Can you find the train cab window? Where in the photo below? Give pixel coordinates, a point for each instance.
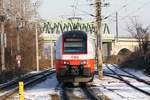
(75, 44)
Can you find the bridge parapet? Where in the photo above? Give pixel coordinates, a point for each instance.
(52, 29)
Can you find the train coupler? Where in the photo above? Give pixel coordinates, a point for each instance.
(81, 70)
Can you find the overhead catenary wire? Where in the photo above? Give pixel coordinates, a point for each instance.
(86, 12)
(139, 8)
(124, 6)
(75, 5)
(92, 15)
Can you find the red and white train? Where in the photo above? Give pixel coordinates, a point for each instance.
(75, 57)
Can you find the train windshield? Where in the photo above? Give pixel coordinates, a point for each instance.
(75, 44)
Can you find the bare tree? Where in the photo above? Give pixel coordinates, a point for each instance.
(24, 10)
(142, 34)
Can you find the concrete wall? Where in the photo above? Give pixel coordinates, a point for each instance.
(128, 43)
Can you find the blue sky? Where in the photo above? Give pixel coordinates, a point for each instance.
(62, 9)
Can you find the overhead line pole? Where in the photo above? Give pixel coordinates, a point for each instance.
(51, 48)
(2, 19)
(18, 35)
(37, 48)
(2, 46)
(117, 26)
(99, 38)
(36, 35)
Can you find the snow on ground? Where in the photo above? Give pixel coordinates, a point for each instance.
(77, 92)
(117, 90)
(112, 88)
(43, 90)
(16, 78)
(135, 72)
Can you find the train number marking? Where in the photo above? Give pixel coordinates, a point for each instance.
(75, 57)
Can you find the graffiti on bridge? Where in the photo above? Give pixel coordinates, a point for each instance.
(62, 26)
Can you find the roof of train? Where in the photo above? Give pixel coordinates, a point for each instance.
(74, 34)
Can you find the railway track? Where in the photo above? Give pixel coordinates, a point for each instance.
(25, 77)
(132, 75)
(12, 87)
(114, 74)
(86, 92)
(90, 93)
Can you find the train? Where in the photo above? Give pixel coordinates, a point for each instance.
(75, 57)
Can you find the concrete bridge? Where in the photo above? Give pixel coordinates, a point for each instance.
(124, 43)
(121, 43)
(111, 45)
(118, 45)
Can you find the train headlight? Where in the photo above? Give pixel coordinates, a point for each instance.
(65, 62)
(83, 62)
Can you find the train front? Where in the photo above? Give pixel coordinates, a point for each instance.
(74, 57)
